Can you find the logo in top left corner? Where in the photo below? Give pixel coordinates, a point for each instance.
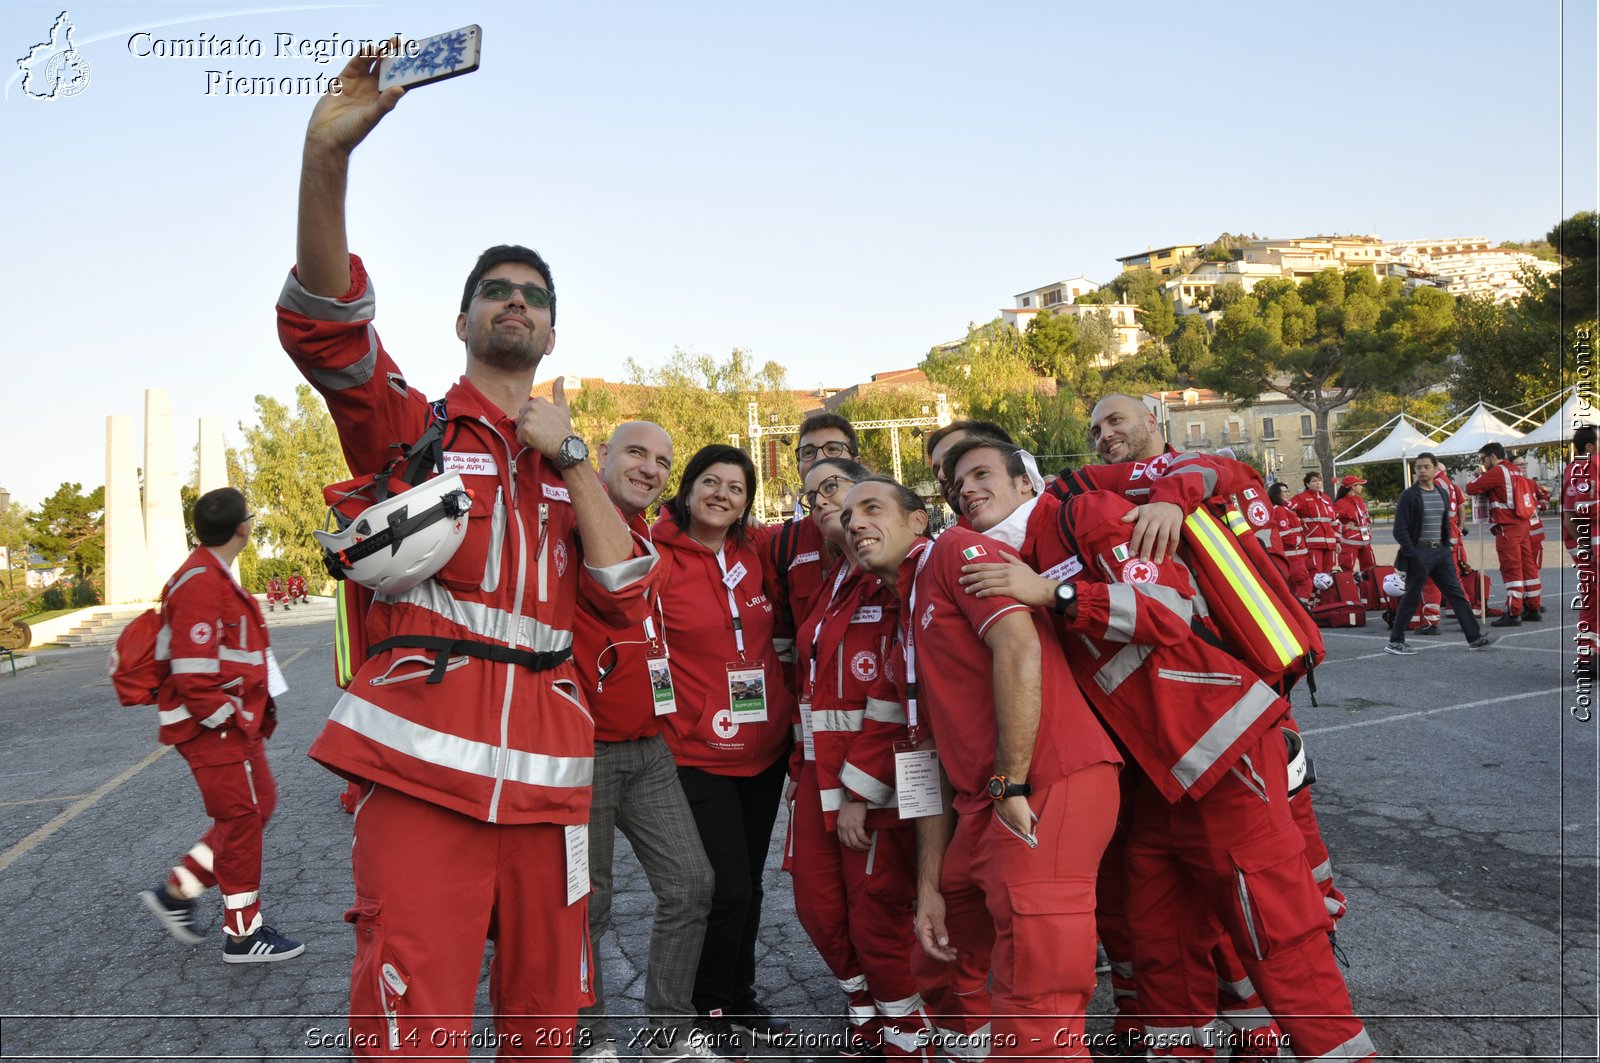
(54, 69)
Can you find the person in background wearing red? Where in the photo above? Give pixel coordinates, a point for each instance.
(1291, 529)
(1355, 526)
(626, 678)
(730, 732)
(217, 709)
(1315, 511)
(1499, 483)
(853, 858)
(1533, 583)
(1006, 877)
(296, 589)
(274, 593)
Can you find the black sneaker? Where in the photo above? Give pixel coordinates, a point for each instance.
(266, 945)
(178, 916)
(717, 1034)
(1431, 629)
(1532, 616)
(1509, 620)
(758, 1021)
(1481, 641)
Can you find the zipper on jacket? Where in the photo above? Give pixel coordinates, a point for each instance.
(544, 551)
(1221, 679)
(841, 672)
(497, 534)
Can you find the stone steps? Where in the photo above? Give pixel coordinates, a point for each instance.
(104, 626)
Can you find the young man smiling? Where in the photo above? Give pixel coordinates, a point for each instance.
(1006, 877)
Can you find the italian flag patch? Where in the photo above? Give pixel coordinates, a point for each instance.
(1121, 552)
(973, 551)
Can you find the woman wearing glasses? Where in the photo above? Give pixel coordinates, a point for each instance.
(853, 858)
(730, 730)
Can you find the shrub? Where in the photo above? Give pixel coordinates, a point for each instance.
(52, 599)
(84, 594)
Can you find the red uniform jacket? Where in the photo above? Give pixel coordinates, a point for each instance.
(215, 641)
(1499, 485)
(1291, 531)
(943, 626)
(1355, 523)
(841, 648)
(613, 666)
(699, 624)
(496, 741)
(1182, 706)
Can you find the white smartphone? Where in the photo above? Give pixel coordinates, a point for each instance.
(444, 55)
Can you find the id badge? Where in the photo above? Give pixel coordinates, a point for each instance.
(661, 686)
(808, 734)
(747, 693)
(577, 840)
(277, 686)
(916, 781)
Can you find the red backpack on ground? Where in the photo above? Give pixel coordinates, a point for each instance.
(1341, 605)
(1372, 588)
(136, 674)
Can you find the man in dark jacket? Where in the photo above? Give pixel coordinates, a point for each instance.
(1422, 528)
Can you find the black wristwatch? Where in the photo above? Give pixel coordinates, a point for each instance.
(1065, 595)
(1001, 788)
(572, 451)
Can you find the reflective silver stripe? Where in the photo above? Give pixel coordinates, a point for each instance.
(296, 299)
(895, 1009)
(858, 984)
(1241, 989)
(181, 580)
(1127, 661)
(166, 716)
(972, 1046)
(202, 855)
(240, 900)
(832, 799)
(885, 711)
(164, 643)
(188, 885)
(195, 666)
(876, 792)
(1222, 734)
(1168, 597)
(482, 620)
(908, 1043)
(1323, 872)
(353, 375)
(217, 718)
(1358, 1047)
(1208, 475)
(240, 656)
(872, 853)
(457, 753)
(1246, 1018)
(848, 720)
(1124, 612)
(625, 573)
(1335, 908)
(1248, 911)
(861, 1014)
(1224, 679)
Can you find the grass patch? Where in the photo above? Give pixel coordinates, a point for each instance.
(39, 618)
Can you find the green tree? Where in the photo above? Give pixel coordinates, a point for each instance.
(1573, 292)
(876, 445)
(289, 456)
(1191, 349)
(1509, 353)
(70, 526)
(14, 540)
(1327, 342)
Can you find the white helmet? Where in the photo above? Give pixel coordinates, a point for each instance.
(1394, 584)
(1301, 772)
(393, 545)
(1322, 581)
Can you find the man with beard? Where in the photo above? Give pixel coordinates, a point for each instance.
(465, 726)
(1213, 785)
(626, 677)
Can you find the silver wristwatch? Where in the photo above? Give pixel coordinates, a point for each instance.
(572, 451)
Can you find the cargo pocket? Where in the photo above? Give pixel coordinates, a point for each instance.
(1052, 939)
(378, 981)
(1267, 859)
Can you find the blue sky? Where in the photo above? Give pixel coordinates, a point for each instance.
(836, 186)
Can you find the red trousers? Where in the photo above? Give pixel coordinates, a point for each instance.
(1511, 547)
(1234, 856)
(859, 910)
(1356, 558)
(240, 795)
(1532, 582)
(432, 886)
(1022, 919)
(1321, 558)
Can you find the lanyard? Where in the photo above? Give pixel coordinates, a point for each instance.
(733, 605)
(910, 642)
(827, 613)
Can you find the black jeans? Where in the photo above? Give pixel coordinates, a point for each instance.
(1437, 564)
(735, 816)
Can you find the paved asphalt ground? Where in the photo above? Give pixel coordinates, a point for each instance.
(1457, 791)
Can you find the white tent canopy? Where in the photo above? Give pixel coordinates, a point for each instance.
(1477, 428)
(1558, 429)
(1404, 441)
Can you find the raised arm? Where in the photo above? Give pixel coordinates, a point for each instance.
(341, 119)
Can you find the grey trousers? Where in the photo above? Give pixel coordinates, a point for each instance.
(636, 790)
